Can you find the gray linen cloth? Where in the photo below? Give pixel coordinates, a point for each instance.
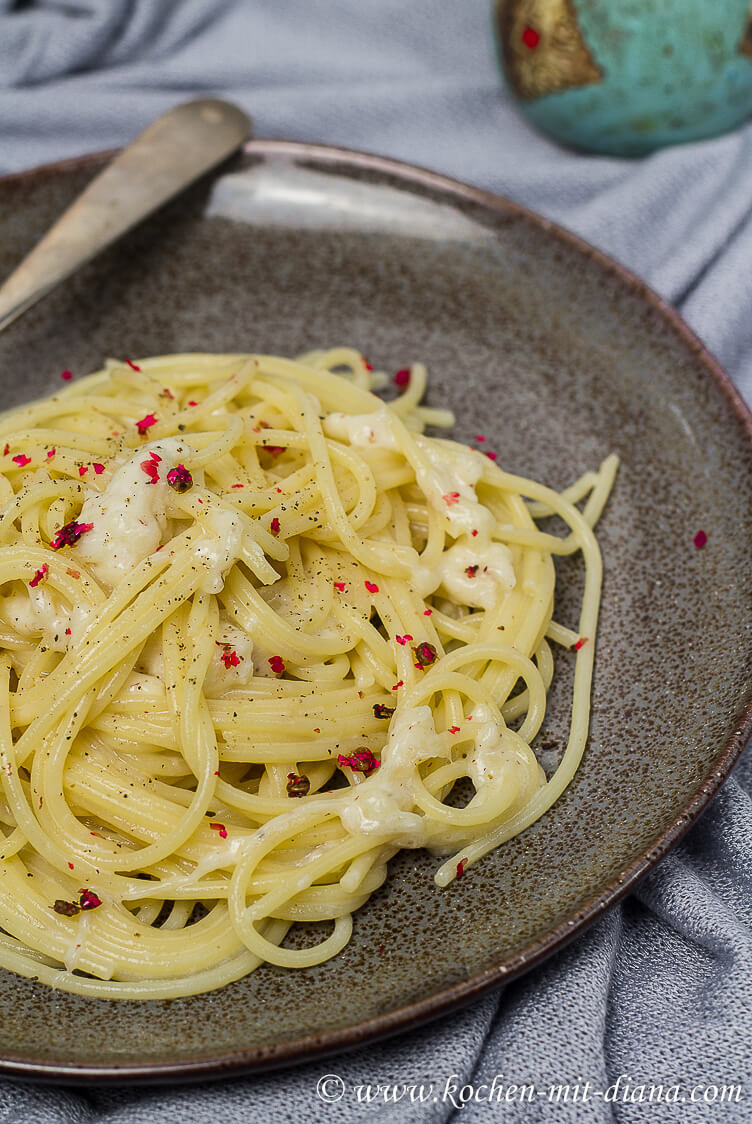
(659, 991)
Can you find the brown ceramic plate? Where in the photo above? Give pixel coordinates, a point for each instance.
(540, 342)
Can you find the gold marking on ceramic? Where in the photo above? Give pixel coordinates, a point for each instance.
(745, 47)
(544, 51)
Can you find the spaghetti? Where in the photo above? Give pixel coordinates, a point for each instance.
(254, 628)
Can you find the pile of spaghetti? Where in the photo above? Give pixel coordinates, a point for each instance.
(254, 627)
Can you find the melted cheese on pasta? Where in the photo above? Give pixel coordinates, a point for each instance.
(254, 627)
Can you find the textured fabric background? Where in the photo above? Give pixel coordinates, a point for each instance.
(660, 990)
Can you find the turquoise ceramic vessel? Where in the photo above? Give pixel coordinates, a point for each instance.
(628, 76)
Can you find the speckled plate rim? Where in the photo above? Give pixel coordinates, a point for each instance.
(315, 1046)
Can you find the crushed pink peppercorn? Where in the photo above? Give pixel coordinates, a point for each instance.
(580, 642)
(372, 587)
(88, 899)
(699, 540)
(21, 460)
(425, 654)
(297, 785)
(179, 478)
(402, 377)
(66, 909)
(39, 576)
(403, 639)
(69, 534)
(340, 586)
(66, 376)
(361, 761)
(277, 664)
(146, 423)
(98, 468)
(83, 469)
(132, 365)
(461, 867)
(274, 526)
(220, 827)
(152, 471)
(230, 659)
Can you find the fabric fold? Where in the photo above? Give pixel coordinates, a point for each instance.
(47, 40)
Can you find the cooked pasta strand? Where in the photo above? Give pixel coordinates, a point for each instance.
(254, 627)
